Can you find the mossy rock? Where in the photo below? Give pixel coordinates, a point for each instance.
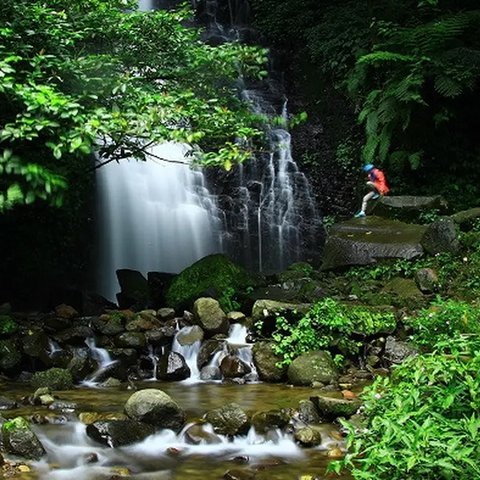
(214, 275)
(19, 439)
(7, 325)
(54, 378)
(10, 355)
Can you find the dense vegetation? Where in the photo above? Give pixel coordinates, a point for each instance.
(94, 76)
(410, 72)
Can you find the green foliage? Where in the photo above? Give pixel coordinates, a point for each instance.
(214, 274)
(386, 271)
(100, 76)
(329, 324)
(423, 421)
(443, 320)
(7, 325)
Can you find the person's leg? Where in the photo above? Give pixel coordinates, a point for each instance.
(366, 199)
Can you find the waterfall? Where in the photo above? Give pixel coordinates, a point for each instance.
(160, 216)
(154, 216)
(102, 357)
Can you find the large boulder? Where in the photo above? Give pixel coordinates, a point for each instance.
(130, 340)
(270, 420)
(215, 274)
(189, 335)
(308, 437)
(397, 351)
(156, 408)
(233, 367)
(331, 407)
(81, 365)
(19, 439)
(466, 218)
(75, 335)
(312, 367)
(228, 420)
(265, 312)
(209, 373)
(441, 237)
(408, 207)
(173, 367)
(366, 240)
(266, 361)
(208, 349)
(110, 323)
(133, 289)
(35, 344)
(117, 433)
(209, 315)
(54, 378)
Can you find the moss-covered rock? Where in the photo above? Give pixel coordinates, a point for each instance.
(54, 378)
(330, 407)
(214, 274)
(312, 367)
(228, 420)
(266, 361)
(19, 439)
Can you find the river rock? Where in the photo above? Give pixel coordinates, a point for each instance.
(196, 435)
(126, 357)
(160, 336)
(143, 322)
(19, 439)
(366, 240)
(133, 289)
(403, 288)
(173, 367)
(228, 420)
(427, 280)
(208, 350)
(10, 356)
(81, 365)
(312, 367)
(307, 412)
(238, 474)
(7, 403)
(190, 335)
(236, 317)
(266, 361)
(65, 311)
(308, 437)
(117, 433)
(130, 340)
(156, 408)
(331, 408)
(272, 419)
(54, 378)
(233, 367)
(397, 351)
(441, 237)
(35, 344)
(210, 372)
(110, 323)
(165, 314)
(210, 316)
(75, 335)
(91, 417)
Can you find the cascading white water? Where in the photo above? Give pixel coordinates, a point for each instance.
(154, 216)
(102, 357)
(189, 353)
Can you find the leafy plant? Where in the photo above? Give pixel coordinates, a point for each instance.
(443, 320)
(329, 324)
(423, 421)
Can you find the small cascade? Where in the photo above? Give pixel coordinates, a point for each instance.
(53, 347)
(102, 357)
(154, 216)
(154, 357)
(189, 353)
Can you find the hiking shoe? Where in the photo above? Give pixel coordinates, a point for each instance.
(375, 196)
(360, 215)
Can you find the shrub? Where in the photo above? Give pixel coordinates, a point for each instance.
(443, 320)
(423, 422)
(329, 324)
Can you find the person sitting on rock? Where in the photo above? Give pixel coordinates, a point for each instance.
(377, 184)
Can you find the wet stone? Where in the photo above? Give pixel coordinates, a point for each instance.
(7, 403)
(117, 433)
(308, 437)
(236, 474)
(228, 420)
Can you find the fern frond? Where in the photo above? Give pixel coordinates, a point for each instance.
(382, 56)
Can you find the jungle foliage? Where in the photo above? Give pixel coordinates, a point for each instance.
(411, 70)
(100, 76)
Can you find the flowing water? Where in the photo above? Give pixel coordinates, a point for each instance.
(166, 455)
(154, 216)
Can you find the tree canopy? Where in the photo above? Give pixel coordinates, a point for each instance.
(100, 76)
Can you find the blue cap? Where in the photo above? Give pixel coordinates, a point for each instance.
(368, 167)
